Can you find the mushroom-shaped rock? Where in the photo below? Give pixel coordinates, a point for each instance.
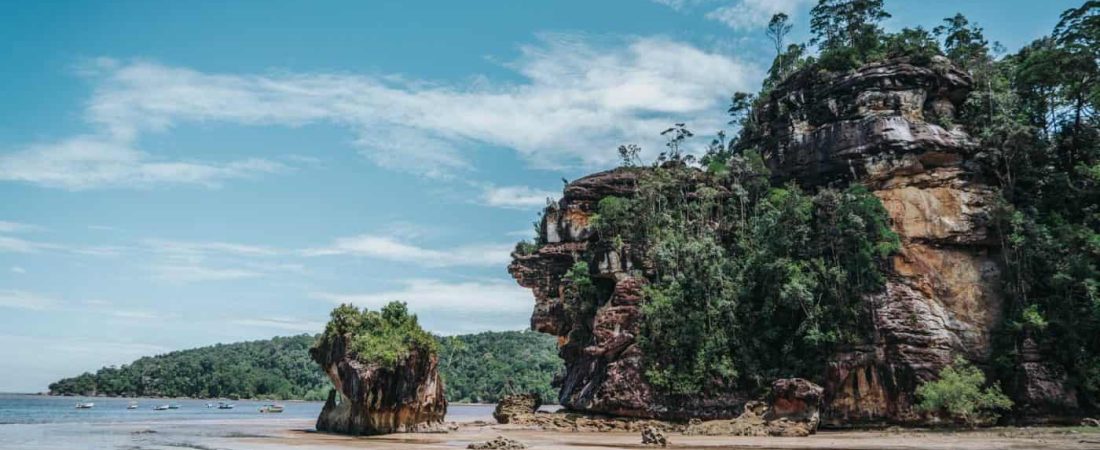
(385, 371)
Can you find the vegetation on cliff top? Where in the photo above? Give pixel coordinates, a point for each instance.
(386, 337)
(476, 368)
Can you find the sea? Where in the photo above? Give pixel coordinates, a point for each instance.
(45, 422)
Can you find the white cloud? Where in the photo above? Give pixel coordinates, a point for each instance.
(578, 99)
(94, 161)
(191, 250)
(520, 197)
(190, 273)
(19, 270)
(452, 307)
(31, 362)
(281, 323)
(15, 299)
(16, 227)
(749, 14)
(391, 249)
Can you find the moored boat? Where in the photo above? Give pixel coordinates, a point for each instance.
(271, 409)
(85, 405)
(162, 408)
(224, 405)
(174, 406)
(132, 405)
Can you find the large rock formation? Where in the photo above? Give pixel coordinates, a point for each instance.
(887, 126)
(372, 399)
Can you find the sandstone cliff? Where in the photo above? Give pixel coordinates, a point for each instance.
(887, 126)
(371, 399)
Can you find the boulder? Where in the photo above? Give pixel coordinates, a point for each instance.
(515, 405)
(653, 436)
(498, 443)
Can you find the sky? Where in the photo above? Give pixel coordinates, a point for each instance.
(178, 174)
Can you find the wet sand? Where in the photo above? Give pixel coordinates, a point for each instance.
(297, 434)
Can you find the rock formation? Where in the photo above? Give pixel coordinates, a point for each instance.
(516, 405)
(371, 399)
(791, 410)
(888, 126)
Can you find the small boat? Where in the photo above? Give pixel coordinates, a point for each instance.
(174, 406)
(162, 408)
(210, 405)
(85, 405)
(132, 405)
(224, 405)
(272, 409)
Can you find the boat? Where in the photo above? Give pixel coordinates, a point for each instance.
(174, 406)
(210, 405)
(272, 409)
(224, 405)
(132, 405)
(162, 408)
(85, 405)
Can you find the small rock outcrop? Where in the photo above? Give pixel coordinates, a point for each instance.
(516, 405)
(371, 399)
(498, 443)
(652, 436)
(792, 410)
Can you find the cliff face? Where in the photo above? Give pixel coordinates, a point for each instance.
(887, 126)
(370, 399)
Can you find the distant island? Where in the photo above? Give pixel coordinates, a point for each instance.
(477, 368)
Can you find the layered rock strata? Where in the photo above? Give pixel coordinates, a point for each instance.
(371, 399)
(888, 126)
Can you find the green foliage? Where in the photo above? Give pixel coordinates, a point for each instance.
(476, 368)
(278, 368)
(385, 337)
(847, 32)
(750, 282)
(917, 44)
(959, 395)
(525, 247)
(485, 366)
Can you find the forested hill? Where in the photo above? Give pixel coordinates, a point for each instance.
(476, 367)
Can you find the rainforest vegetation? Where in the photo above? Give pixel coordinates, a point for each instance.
(475, 367)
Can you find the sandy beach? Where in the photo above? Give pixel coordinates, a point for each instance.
(297, 434)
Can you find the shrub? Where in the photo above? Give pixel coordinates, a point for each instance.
(385, 337)
(958, 394)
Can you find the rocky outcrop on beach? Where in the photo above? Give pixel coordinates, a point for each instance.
(516, 405)
(498, 443)
(888, 126)
(792, 409)
(372, 399)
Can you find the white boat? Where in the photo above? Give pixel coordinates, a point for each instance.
(85, 405)
(272, 409)
(132, 405)
(174, 406)
(224, 405)
(162, 408)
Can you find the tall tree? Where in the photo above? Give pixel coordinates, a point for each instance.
(777, 30)
(848, 24)
(963, 42)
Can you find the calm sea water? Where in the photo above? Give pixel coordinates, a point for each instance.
(41, 422)
(38, 409)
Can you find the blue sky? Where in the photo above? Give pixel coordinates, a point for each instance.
(176, 174)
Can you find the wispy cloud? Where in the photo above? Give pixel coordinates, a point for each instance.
(17, 227)
(451, 307)
(281, 323)
(18, 270)
(16, 299)
(578, 99)
(196, 249)
(750, 14)
(518, 197)
(392, 249)
(190, 273)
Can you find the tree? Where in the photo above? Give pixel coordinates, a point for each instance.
(917, 44)
(963, 42)
(959, 395)
(777, 30)
(847, 31)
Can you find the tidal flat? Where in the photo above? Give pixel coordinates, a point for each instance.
(281, 434)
